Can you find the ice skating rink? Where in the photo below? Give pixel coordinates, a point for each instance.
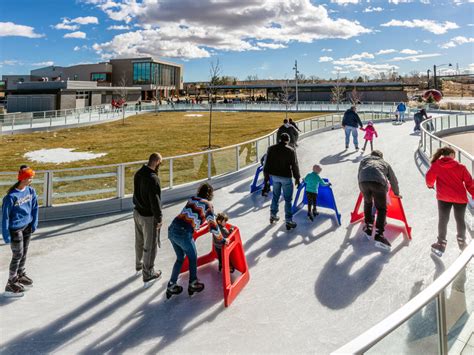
(311, 290)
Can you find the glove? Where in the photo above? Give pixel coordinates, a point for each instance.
(329, 184)
(297, 183)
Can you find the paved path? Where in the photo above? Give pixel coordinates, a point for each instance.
(311, 290)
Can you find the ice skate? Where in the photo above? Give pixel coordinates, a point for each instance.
(151, 280)
(274, 219)
(368, 228)
(195, 287)
(310, 217)
(381, 242)
(25, 280)
(315, 213)
(438, 249)
(13, 289)
(173, 290)
(290, 225)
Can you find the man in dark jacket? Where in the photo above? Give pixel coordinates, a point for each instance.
(287, 128)
(374, 177)
(282, 164)
(350, 122)
(148, 217)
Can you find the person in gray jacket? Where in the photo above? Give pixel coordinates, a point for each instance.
(290, 130)
(375, 177)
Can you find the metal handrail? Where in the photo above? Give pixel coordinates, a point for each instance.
(372, 336)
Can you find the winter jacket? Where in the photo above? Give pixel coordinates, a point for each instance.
(375, 169)
(401, 107)
(452, 180)
(281, 161)
(313, 181)
(370, 132)
(19, 209)
(147, 193)
(351, 119)
(197, 212)
(290, 130)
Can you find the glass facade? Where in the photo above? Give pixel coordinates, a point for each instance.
(100, 77)
(155, 73)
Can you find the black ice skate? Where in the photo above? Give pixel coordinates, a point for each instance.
(151, 280)
(315, 213)
(195, 287)
(173, 290)
(310, 217)
(13, 289)
(25, 280)
(290, 225)
(381, 242)
(438, 249)
(368, 228)
(274, 219)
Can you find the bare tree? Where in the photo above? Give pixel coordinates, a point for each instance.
(214, 72)
(122, 92)
(337, 92)
(356, 96)
(285, 96)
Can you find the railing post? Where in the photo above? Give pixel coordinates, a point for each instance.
(120, 181)
(237, 158)
(256, 151)
(49, 189)
(171, 173)
(209, 161)
(311, 125)
(31, 121)
(442, 324)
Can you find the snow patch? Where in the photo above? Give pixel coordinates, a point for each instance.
(60, 155)
(193, 115)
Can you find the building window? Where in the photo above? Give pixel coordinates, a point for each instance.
(141, 73)
(82, 95)
(75, 77)
(100, 77)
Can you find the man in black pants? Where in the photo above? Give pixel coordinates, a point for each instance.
(374, 177)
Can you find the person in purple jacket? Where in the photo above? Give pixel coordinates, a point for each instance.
(19, 221)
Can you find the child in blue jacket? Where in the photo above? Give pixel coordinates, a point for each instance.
(313, 180)
(19, 221)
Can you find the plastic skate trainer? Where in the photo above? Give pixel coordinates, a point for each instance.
(256, 185)
(233, 253)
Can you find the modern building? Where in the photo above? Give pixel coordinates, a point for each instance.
(92, 84)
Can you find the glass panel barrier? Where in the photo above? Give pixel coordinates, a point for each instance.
(247, 154)
(418, 335)
(224, 161)
(130, 170)
(189, 169)
(262, 147)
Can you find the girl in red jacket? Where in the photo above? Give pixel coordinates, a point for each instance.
(370, 132)
(452, 181)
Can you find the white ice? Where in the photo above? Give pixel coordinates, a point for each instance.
(60, 155)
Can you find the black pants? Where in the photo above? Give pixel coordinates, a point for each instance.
(312, 199)
(218, 250)
(374, 193)
(20, 239)
(444, 209)
(371, 145)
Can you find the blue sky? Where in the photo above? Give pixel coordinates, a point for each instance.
(251, 37)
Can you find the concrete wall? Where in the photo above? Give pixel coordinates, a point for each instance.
(68, 101)
(122, 67)
(28, 103)
(96, 99)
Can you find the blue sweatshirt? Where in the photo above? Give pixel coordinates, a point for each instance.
(19, 209)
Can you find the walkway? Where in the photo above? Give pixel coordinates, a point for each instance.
(311, 290)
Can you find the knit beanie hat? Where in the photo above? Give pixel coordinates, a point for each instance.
(370, 123)
(26, 173)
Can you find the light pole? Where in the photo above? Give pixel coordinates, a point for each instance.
(428, 79)
(435, 78)
(295, 68)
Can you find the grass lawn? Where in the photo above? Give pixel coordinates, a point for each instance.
(170, 133)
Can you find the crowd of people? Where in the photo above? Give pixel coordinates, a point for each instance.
(280, 165)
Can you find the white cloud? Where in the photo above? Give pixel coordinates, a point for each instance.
(87, 20)
(457, 41)
(77, 48)
(191, 29)
(65, 26)
(414, 58)
(363, 55)
(43, 64)
(77, 34)
(358, 41)
(325, 59)
(373, 9)
(385, 51)
(326, 50)
(362, 68)
(270, 45)
(409, 51)
(75, 23)
(460, 2)
(345, 2)
(118, 27)
(9, 62)
(427, 25)
(8, 29)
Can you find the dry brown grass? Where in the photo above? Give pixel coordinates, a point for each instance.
(169, 133)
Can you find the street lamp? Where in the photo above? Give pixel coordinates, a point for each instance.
(435, 79)
(428, 78)
(295, 68)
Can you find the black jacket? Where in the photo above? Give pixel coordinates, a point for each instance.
(352, 119)
(147, 193)
(291, 131)
(281, 161)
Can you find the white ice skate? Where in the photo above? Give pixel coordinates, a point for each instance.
(151, 280)
(438, 249)
(13, 294)
(382, 243)
(383, 246)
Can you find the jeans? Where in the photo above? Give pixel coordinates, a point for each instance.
(286, 184)
(352, 130)
(378, 193)
(146, 242)
(20, 239)
(417, 123)
(444, 209)
(401, 116)
(180, 235)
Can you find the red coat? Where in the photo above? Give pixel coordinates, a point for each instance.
(452, 180)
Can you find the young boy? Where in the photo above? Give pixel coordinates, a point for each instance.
(222, 219)
(313, 180)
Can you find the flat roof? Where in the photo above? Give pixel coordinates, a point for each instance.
(306, 85)
(68, 85)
